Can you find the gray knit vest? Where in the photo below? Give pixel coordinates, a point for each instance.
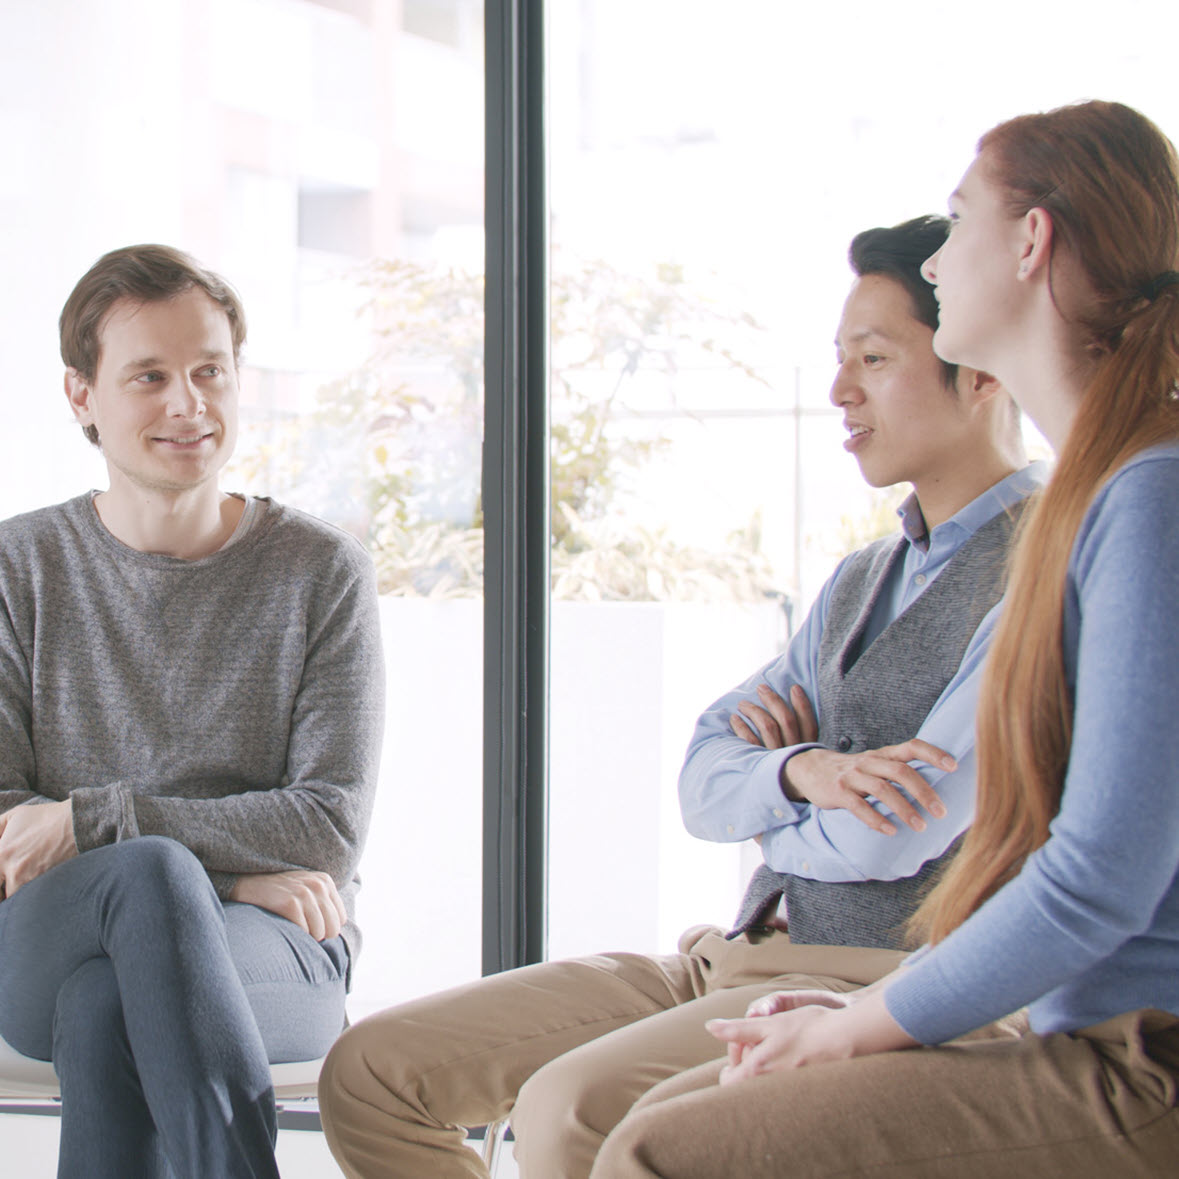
(881, 696)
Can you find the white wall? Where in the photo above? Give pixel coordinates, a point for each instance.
(628, 683)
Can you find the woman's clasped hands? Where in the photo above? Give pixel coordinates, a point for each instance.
(792, 1029)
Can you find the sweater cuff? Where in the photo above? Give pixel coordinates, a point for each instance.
(102, 815)
(222, 882)
(916, 999)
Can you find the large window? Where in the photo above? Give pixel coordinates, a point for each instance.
(328, 159)
(710, 164)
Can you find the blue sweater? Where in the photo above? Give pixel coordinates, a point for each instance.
(1090, 927)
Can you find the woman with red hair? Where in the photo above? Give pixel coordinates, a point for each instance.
(1060, 277)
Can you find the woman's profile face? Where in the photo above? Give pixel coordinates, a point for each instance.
(975, 274)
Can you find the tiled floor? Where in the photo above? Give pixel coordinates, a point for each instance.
(28, 1146)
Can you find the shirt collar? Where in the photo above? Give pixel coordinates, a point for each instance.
(913, 522)
(998, 498)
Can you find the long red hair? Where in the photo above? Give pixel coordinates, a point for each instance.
(1110, 182)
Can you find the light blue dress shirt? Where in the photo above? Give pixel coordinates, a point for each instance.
(730, 790)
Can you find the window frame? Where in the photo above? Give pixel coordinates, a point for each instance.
(515, 483)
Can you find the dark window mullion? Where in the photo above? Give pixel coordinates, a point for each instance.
(515, 490)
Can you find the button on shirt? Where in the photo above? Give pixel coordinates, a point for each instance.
(730, 790)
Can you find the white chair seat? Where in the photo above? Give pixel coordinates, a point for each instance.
(23, 1077)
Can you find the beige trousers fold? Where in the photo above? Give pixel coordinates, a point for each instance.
(564, 1048)
(1097, 1104)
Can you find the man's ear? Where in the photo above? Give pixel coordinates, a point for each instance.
(77, 391)
(1035, 251)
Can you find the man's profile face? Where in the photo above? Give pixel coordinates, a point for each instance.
(905, 424)
(164, 396)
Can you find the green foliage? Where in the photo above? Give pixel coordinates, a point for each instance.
(608, 561)
(392, 450)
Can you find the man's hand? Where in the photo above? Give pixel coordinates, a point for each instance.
(843, 781)
(308, 899)
(778, 723)
(33, 839)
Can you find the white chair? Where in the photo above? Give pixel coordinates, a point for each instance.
(23, 1078)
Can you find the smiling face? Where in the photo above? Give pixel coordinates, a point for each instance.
(906, 425)
(164, 394)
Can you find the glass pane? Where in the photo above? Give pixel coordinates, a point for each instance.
(710, 165)
(326, 158)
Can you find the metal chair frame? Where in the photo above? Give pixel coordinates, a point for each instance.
(494, 1137)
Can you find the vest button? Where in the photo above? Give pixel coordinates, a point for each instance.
(844, 744)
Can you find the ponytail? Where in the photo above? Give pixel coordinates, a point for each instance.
(1025, 712)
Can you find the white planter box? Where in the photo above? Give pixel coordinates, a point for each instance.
(628, 681)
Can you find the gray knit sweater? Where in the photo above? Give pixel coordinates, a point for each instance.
(234, 703)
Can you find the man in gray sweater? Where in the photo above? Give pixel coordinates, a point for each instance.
(190, 717)
(889, 656)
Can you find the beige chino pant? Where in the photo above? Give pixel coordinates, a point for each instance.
(1097, 1104)
(565, 1048)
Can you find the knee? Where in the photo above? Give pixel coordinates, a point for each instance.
(385, 1104)
(157, 885)
(343, 1072)
(565, 1104)
(399, 1063)
(353, 1078)
(630, 1148)
(159, 858)
(157, 867)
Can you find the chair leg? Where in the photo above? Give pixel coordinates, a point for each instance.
(493, 1137)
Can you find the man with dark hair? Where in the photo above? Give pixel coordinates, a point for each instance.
(890, 657)
(802, 789)
(190, 720)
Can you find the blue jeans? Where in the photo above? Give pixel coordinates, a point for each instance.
(160, 1009)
